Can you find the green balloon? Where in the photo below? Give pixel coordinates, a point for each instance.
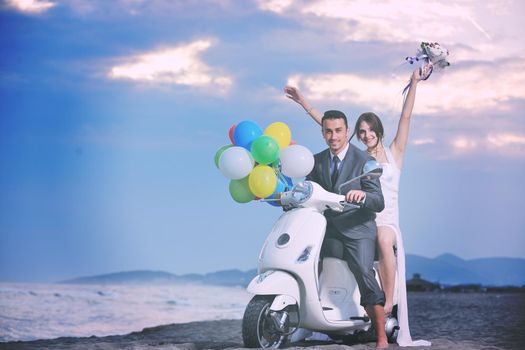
(240, 191)
(265, 149)
(219, 153)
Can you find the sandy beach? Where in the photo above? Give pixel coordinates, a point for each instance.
(223, 334)
(464, 321)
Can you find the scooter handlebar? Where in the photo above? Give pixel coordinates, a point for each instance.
(311, 194)
(352, 205)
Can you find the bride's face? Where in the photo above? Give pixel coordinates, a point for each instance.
(367, 135)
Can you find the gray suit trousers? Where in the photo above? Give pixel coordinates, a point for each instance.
(359, 253)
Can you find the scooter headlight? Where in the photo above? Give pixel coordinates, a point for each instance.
(302, 191)
(283, 240)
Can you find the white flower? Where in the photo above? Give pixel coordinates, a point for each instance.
(435, 53)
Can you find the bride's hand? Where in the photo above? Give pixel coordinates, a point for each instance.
(421, 73)
(294, 94)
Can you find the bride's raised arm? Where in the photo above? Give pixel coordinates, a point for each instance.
(399, 143)
(294, 94)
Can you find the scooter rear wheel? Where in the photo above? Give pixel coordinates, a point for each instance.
(392, 326)
(258, 327)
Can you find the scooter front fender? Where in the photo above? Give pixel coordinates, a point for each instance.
(274, 282)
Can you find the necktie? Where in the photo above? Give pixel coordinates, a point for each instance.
(335, 171)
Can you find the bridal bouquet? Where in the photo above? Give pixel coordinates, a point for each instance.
(435, 53)
(432, 54)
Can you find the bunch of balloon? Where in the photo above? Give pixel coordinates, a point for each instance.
(261, 163)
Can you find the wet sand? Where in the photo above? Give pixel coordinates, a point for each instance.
(470, 321)
(223, 334)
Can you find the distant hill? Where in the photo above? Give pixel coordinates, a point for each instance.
(449, 269)
(446, 269)
(127, 277)
(224, 278)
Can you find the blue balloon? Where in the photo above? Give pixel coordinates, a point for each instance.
(281, 187)
(289, 182)
(245, 132)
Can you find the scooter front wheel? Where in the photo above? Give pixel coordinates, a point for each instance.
(263, 328)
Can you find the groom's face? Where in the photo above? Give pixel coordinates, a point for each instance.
(335, 134)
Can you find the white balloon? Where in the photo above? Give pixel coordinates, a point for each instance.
(236, 163)
(296, 161)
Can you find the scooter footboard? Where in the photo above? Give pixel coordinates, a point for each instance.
(339, 292)
(274, 282)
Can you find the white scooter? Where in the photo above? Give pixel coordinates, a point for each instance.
(290, 293)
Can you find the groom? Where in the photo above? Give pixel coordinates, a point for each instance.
(356, 228)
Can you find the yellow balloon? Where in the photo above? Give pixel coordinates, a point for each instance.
(262, 181)
(280, 132)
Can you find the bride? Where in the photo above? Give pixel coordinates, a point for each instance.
(369, 130)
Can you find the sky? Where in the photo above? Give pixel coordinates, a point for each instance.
(111, 113)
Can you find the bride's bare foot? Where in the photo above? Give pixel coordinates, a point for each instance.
(381, 341)
(378, 321)
(382, 345)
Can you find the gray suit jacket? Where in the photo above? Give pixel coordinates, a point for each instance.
(353, 223)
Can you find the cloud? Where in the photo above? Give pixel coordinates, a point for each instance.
(467, 110)
(463, 143)
(473, 28)
(375, 20)
(471, 108)
(197, 9)
(423, 141)
(471, 88)
(474, 88)
(506, 139)
(179, 65)
(349, 88)
(393, 21)
(277, 6)
(506, 144)
(30, 6)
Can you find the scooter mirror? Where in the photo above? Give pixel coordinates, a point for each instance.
(372, 168)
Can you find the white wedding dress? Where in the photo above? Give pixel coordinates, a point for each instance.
(390, 217)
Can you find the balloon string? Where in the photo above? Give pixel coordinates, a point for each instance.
(280, 175)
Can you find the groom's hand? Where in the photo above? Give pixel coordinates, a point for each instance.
(355, 196)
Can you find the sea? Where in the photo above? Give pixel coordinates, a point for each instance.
(45, 311)
(491, 319)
